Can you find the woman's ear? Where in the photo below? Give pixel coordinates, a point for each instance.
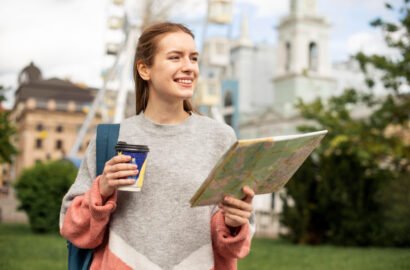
(143, 70)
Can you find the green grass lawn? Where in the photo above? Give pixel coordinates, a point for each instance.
(279, 255)
(20, 249)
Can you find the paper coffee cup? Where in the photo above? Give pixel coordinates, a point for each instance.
(138, 155)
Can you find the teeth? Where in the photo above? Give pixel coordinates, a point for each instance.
(184, 81)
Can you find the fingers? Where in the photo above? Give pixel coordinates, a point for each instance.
(117, 170)
(118, 159)
(115, 174)
(120, 167)
(120, 182)
(234, 220)
(236, 212)
(249, 194)
(121, 174)
(236, 203)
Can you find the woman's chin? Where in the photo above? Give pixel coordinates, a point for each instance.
(186, 94)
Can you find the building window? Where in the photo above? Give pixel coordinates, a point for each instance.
(61, 106)
(39, 127)
(228, 99)
(59, 144)
(41, 104)
(272, 204)
(59, 128)
(220, 48)
(228, 104)
(313, 56)
(228, 119)
(39, 143)
(288, 56)
(293, 6)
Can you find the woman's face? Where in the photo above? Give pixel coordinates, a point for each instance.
(174, 71)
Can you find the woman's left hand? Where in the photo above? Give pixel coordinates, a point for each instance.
(237, 212)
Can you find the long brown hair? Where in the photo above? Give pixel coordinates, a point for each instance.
(146, 49)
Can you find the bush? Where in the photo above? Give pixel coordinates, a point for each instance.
(354, 190)
(335, 201)
(40, 190)
(357, 190)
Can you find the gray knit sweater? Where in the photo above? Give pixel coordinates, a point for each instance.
(156, 228)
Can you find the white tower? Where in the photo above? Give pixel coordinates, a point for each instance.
(241, 66)
(303, 67)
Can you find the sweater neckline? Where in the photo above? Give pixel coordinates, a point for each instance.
(164, 129)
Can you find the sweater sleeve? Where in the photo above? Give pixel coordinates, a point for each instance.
(87, 217)
(228, 248)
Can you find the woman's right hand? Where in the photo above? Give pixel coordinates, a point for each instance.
(115, 174)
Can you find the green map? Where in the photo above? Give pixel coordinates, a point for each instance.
(264, 164)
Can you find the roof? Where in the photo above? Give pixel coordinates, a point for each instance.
(29, 74)
(57, 89)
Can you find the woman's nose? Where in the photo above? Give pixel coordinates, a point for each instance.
(189, 65)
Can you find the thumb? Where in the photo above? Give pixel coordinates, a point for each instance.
(249, 194)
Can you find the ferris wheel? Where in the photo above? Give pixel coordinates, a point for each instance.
(122, 36)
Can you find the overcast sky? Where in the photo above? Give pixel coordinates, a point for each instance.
(66, 38)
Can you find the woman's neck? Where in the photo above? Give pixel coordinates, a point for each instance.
(166, 114)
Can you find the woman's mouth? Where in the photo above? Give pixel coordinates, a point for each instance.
(184, 82)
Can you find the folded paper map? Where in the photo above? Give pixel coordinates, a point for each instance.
(264, 164)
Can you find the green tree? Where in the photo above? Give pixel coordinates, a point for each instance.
(40, 190)
(355, 190)
(7, 149)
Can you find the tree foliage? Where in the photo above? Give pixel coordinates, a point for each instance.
(40, 190)
(355, 190)
(7, 149)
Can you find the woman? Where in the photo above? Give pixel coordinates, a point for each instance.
(156, 228)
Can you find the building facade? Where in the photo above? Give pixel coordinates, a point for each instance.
(297, 67)
(47, 115)
(253, 66)
(304, 68)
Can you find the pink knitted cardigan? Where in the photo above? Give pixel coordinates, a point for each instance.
(86, 220)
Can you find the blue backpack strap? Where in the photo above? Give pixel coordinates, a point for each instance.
(78, 258)
(107, 136)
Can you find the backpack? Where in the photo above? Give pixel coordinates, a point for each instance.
(107, 136)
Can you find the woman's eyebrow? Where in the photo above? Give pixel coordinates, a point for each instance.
(180, 52)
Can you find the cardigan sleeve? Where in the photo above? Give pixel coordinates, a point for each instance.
(228, 248)
(87, 217)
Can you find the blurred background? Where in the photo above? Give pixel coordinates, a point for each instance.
(267, 68)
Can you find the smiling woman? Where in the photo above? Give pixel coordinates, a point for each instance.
(156, 228)
(171, 76)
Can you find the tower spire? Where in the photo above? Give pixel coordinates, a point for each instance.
(303, 7)
(244, 39)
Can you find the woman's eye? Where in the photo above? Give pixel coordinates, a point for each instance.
(194, 59)
(174, 57)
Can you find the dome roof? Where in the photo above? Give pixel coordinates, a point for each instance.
(29, 74)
